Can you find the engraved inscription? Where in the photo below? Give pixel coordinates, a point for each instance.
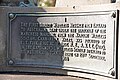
(88, 41)
(35, 40)
(81, 40)
(72, 42)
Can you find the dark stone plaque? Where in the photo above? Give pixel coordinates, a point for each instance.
(73, 41)
(31, 43)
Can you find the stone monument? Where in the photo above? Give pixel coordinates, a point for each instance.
(69, 39)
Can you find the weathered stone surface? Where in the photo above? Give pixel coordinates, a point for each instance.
(37, 77)
(4, 25)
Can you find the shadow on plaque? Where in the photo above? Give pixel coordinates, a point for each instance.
(33, 45)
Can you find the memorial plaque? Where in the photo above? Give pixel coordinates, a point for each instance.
(73, 41)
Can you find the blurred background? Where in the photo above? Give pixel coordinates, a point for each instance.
(39, 3)
(46, 3)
